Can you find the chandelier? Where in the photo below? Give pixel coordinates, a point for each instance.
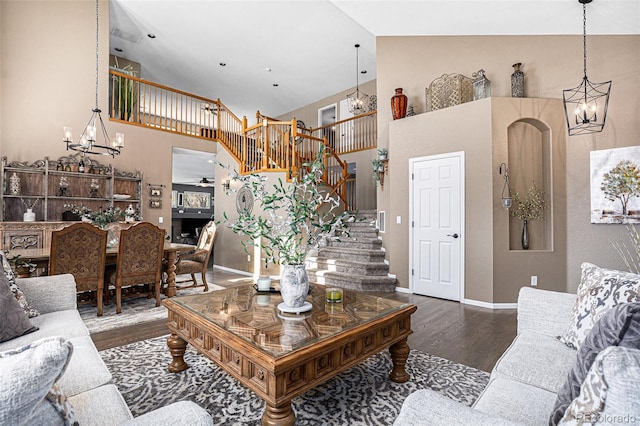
(358, 102)
(586, 106)
(88, 143)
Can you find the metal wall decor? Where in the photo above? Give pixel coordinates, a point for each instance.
(449, 90)
(155, 192)
(481, 85)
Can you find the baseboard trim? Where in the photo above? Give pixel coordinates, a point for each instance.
(490, 305)
(403, 290)
(235, 271)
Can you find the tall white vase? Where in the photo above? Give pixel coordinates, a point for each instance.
(294, 285)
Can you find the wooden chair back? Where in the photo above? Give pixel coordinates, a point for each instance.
(80, 250)
(139, 258)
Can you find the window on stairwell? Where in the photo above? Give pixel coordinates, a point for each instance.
(381, 221)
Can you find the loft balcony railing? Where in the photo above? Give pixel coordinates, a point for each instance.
(268, 146)
(351, 135)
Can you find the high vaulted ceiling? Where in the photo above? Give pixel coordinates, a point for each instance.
(308, 45)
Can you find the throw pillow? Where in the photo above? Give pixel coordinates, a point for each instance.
(27, 378)
(610, 392)
(599, 290)
(13, 321)
(620, 326)
(19, 295)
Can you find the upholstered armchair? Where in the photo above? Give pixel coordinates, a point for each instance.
(195, 262)
(139, 261)
(80, 249)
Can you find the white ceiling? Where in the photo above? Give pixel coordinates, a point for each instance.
(308, 45)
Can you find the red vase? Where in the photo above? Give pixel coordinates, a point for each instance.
(399, 104)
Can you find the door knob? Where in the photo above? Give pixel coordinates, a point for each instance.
(453, 235)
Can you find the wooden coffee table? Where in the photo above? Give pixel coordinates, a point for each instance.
(280, 356)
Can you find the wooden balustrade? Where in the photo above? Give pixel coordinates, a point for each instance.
(268, 146)
(353, 134)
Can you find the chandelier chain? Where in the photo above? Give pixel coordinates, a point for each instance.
(97, 48)
(584, 38)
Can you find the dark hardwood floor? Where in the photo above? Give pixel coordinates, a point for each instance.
(460, 333)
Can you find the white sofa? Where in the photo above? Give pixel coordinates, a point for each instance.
(86, 380)
(525, 381)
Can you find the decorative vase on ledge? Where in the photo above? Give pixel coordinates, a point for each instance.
(517, 82)
(399, 104)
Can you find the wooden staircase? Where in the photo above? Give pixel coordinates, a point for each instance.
(356, 262)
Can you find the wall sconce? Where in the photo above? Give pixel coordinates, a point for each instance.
(226, 184)
(380, 167)
(506, 190)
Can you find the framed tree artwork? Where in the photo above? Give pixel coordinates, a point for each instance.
(615, 185)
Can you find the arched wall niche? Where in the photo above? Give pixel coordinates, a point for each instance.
(529, 154)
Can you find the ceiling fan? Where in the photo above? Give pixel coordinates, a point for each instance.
(205, 182)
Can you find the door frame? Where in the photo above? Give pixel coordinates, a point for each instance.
(333, 106)
(412, 162)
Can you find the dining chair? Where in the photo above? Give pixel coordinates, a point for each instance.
(139, 261)
(196, 261)
(80, 249)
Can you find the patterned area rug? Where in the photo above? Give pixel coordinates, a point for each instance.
(135, 310)
(362, 395)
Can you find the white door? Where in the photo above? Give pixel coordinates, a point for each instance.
(437, 218)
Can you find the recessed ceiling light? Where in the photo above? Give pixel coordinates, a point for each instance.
(268, 69)
(363, 72)
(275, 84)
(117, 49)
(223, 64)
(151, 35)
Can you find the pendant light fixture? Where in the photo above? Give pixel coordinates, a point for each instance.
(586, 106)
(88, 143)
(357, 101)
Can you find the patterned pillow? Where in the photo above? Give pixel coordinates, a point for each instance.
(27, 378)
(599, 290)
(620, 326)
(19, 295)
(13, 321)
(610, 393)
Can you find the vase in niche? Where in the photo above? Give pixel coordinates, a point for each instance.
(29, 216)
(14, 184)
(525, 235)
(399, 104)
(517, 82)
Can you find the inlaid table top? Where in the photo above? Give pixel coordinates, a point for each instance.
(278, 355)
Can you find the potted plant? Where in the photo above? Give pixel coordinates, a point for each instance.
(126, 92)
(530, 208)
(294, 218)
(382, 154)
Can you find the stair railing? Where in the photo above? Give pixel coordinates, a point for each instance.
(353, 134)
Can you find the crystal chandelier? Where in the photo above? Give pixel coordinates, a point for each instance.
(586, 106)
(88, 143)
(358, 102)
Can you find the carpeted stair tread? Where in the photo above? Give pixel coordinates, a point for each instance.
(351, 242)
(348, 266)
(351, 281)
(358, 254)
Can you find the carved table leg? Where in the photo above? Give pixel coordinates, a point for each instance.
(399, 354)
(177, 347)
(170, 291)
(279, 416)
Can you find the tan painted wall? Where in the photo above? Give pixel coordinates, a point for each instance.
(48, 81)
(437, 133)
(551, 64)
